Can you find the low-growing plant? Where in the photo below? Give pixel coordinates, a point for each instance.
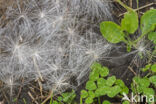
(100, 84)
(115, 33)
(67, 98)
(145, 86)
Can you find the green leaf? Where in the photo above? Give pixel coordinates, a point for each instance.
(102, 91)
(129, 47)
(89, 100)
(68, 96)
(124, 90)
(136, 79)
(126, 102)
(133, 88)
(147, 67)
(84, 94)
(112, 32)
(104, 71)
(153, 68)
(113, 91)
(94, 75)
(95, 66)
(152, 37)
(110, 81)
(136, 83)
(120, 83)
(90, 85)
(130, 22)
(141, 84)
(148, 91)
(59, 98)
(91, 94)
(153, 79)
(55, 102)
(144, 82)
(106, 102)
(101, 82)
(148, 21)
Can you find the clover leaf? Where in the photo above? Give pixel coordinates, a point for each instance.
(89, 100)
(120, 83)
(102, 91)
(94, 75)
(68, 96)
(84, 94)
(90, 85)
(91, 94)
(126, 102)
(106, 102)
(110, 81)
(114, 91)
(104, 71)
(101, 82)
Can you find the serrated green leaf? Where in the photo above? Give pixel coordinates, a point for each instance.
(84, 94)
(148, 21)
(106, 102)
(110, 80)
(153, 68)
(90, 85)
(89, 100)
(104, 71)
(112, 32)
(152, 37)
(130, 22)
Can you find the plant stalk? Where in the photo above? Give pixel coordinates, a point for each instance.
(37, 68)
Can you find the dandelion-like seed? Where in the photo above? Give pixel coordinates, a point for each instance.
(49, 40)
(141, 49)
(42, 15)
